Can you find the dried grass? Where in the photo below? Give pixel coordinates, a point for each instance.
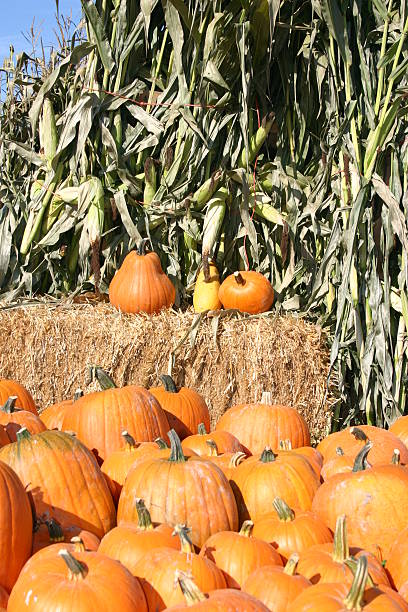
(48, 348)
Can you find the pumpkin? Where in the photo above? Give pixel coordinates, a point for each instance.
(46, 532)
(312, 455)
(264, 424)
(352, 440)
(275, 586)
(4, 439)
(64, 480)
(239, 554)
(226, 461)
(261, 478)
(4, 597)
(290, 530)
(99, 418)
(205, 296)
(157, 567)
(247, 291)
(340, 464)
(340, 596)
(375, 504)
(330, 562)
(185, 408)
(53, 416)
(216, 601)
(181, 489)
(87, 581)
(16, 526)
(13, 419)
(11, 388)
(403, 591)
(397, 560)
(129, 542)
(140, 285)
(400, 429)
(226, 442)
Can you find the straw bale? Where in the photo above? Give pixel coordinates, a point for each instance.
(48, 348)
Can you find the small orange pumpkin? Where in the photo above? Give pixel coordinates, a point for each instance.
(13, 419)
(247, 291)
(225, 442)
(11, 388)
(53, 416)
(140, 285)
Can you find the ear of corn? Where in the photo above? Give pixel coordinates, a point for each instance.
(207, 189)
(150, 181)
(48, 131)
(257, 140)
(94, 223)
(213, 220)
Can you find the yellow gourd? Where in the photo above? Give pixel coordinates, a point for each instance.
(206, 292)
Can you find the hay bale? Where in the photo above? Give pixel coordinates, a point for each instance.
(48, 348)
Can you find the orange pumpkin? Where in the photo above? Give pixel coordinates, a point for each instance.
(312, 454)
(4, 439)
(247, 291)
(11, 388)
(87, 581)
(99, 418)
(16, 526)
(185, 408)
(239, 554)
(53, 416)
(264, 424)
(226, 442)
(276, 586)
(64, 480)
(261, 478)
(340, 464)
(290, 530)
(183, 490)
(157, 568)
(375, 504)
(140, 285)
(397, 560)
(400, 429)
(4, 597)
(227, 461)
(13, 419)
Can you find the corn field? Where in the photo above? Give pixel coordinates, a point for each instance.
(269, 134)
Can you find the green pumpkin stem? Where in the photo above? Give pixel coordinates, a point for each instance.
(282, 510)
(285, 445)
(201, 430)
(183, 532)
(236, 459)
(23, 434)
(246, 529)
(212, 448)
(339, 451)
(168, 383)
(268, 456)
(291, 565)
(103, 378)
(358, 434)
(354, 599)
(54, 531)
(78, 543)
(239, 278)
(340, 544)
(396, 457)
(78, 393)
(10, 406)
(144, 520)
(176, 454)
(161, 443)
(129, 440)
(360, 462)
(190, 590)
(142, 247)
(77, 570)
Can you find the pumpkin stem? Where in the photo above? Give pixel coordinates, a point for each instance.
(291, 565)
(161, 443)
(10, 405)
(339, 451)
(285, 445)
(130, 442)
(266, 398)
(239, 278)
(360, 462)
(354, 599)
(358, 434)
(246, 529)
(267, 455)
(282, 510)
(190, 590)
(77, 570)
(236, 459)
(103, 378)
(396, 457)
(142, 248)
(23, 434)
(78, 543)
(212, 448)
(176, 454)
(340, 544)
(201, 430)
(206, 266)
(78, 393)
(168, 383)
(144, 520)
(183, 532)
(54, 530)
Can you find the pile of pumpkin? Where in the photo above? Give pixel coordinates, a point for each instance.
(121, 500)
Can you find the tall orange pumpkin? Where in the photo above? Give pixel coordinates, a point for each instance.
(185, 408)
(99, 418)
(140, 285)
(13, 419)
(247, 291)
(10, 388)
(16, 526)
(265, 424)
(64, 480)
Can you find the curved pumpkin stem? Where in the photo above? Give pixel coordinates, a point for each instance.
(266, 398)
(183, 532)
(54, 531)
(212, 448)
(339, 451)
(78, 543)
(246, 529)
(360, 462)
(190, 590)
(239, 278)
(142, 247)
(354, 599)
(236, 459)
(291, 565)
(103, 378)
(130, 442)
(10, 405)
(168, 383)
(144, 520)
(358, 434)
(283, 511)
(267, 455)
(161, 443)
(201, 430)
(396, 457)
(340, 544)
(76, 569)
(285, 445)
(176, 454)
(23, 434)
(78, 393)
